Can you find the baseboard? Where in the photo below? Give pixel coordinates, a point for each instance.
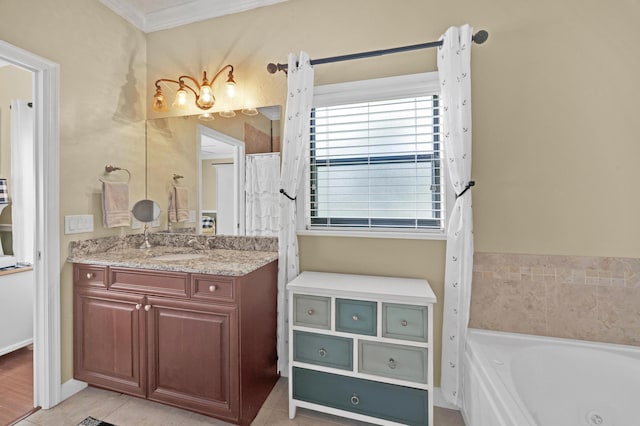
(71, 387)
(16, 346)
(440, 401)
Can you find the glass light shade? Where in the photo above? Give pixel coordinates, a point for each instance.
(205, 97)
(207, 116)
(180, 101)
(227, 114)
(159, 102)
(249, 111)
(231, 89)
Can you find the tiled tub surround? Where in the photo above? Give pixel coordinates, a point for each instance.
(234, 256)
(578, 297)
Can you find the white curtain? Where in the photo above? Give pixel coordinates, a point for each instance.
(295, 141)
(454, 66)
(262, 208)
(22, 187)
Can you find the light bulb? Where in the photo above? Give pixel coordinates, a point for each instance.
(180, 101)
(205, 97)
(231, 89)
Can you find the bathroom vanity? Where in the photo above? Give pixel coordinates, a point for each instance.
(195, 329)
(362, 347)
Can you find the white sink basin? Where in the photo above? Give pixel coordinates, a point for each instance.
(179, 256)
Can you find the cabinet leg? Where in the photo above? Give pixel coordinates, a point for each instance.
(292, 410)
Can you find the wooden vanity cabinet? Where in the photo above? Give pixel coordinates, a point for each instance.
(208, 347)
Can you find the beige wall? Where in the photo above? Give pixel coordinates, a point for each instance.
(102, 92)
(554, 109)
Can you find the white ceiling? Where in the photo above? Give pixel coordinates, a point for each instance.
(156, 15)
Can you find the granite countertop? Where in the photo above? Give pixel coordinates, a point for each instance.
(206, 259)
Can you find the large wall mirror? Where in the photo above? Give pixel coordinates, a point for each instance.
(205, 160)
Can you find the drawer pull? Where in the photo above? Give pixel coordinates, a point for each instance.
(147, 308)
(404, 323)
(355, 318)
(212, 288)
(354, 399)
(322, 352)
(90, 275)
(138, 306)
(310, 312)
(392, 363)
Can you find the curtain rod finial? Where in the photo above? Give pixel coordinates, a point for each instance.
(480, 37)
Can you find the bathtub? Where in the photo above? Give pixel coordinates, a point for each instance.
(521, 380)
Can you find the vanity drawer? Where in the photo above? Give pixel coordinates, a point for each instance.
(356, 316)
(206, 287)
(90, 275)
(320, 349)
(160, 283)
(312, 311)
(391, 402)
(407, 322)
(395, 361)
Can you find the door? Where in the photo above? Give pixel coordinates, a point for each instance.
(109, 340)
(193, 356)
(226, 221)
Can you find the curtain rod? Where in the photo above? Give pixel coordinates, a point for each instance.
(479, 38)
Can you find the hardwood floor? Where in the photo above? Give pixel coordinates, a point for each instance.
(16, 385)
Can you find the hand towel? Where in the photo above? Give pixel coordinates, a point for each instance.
(115, 204)
(182, 203)
(172, 207)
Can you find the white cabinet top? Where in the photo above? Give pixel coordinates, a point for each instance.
(390, 289)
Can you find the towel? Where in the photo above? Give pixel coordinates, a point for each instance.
(115, 204)
(182, 203)
(172, 207)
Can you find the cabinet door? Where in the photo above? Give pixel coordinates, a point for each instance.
(109, 338)
(193, 356)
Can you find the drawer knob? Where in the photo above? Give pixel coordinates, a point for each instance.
(404, 323)
(355, 318)
(310, 312)
(90, 275)
(212, 288)
(322, 352)
(392, 363)
(138, 306)
(354, 399)
(147, 308)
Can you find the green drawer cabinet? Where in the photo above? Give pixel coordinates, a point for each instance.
(361, 347)
(391, 402)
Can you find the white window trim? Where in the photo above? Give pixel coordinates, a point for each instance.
(423, 84)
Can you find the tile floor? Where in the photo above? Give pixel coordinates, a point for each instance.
(124, 410)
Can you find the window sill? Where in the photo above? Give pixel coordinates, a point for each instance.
(427, 235)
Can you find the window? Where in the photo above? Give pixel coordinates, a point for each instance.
(374, 157)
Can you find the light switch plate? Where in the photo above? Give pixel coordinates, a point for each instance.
(77, 224)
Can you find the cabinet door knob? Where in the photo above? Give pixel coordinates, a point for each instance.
(310, 312)
(212, 288)
(404, 323)
(355, 400)
(322, 352)
(138, 306)
(90, 275)
(392, 363)
(147, 308)
(355, 318)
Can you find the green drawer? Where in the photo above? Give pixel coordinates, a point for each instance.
(319, 349)
(312, 311)
(356, 316)
(407, 322)
(382, 400)
(395, 361)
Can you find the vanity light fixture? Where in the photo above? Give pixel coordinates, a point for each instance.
(202, 91)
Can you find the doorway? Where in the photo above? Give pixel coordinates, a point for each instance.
(46, 251)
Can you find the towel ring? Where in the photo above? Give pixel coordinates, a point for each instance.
(109, 168)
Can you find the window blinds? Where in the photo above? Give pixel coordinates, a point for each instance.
(376, 165)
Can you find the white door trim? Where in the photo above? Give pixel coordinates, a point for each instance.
(46, 88)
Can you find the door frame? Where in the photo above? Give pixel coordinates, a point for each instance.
(46, 336)
(238, 176)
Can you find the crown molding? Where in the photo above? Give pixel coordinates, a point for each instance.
(186, 13)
